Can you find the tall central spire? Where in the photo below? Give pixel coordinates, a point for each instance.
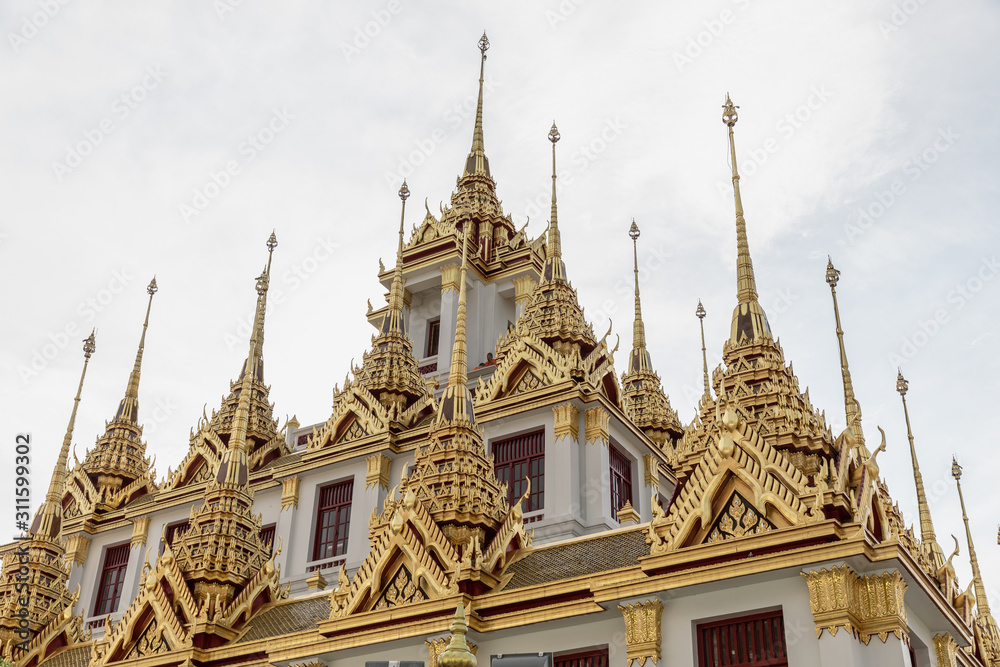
(393, 320)
(456, 402)
(48, 519)
(639, 359)
(749, 320)
(851, 406)
(233, 469)
(926, 525)
(555, 268)
(477, 164)
(982, 600)
(128, 409)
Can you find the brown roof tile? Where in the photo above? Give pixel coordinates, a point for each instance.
(578, 558)
(287, 618)
(77, 656)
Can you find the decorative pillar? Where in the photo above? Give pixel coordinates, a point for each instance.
(597, 426)
(567, 421)
(652, 469)
(140, 531)
(643, 631)
(523, 289)
(946, 650)
(289, 493)
(283, 527)
(377, 473)
(76, 549)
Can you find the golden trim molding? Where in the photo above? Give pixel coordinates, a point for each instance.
(652, 470)
(597, 421)
(449, 278)
(643, 633)
(946, 650)
(290, 493)
(865, 606)
(567, 421)
(524, 287)
(76, 548)
(378, 468)
(140, 531)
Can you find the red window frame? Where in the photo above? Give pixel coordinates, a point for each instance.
(267, 536)
(109, 591)
(621, 478)
(433, 337)
(519, 457)
(592, 658)
(748, 641)
(333, 520)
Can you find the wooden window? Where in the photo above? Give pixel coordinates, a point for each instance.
(621, 479)
(750, 641)
(267, 537)
(333, 519)
(519, 457)
(112, 578)
(433, 336)
(592, 658)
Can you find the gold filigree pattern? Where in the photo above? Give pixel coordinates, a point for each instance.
(401, 590)
(149, 643)
(528, 382)
(643, 630)
(739, 519)
(864, 606)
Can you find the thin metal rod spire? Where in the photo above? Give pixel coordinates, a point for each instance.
(852, 408)
(700, 312)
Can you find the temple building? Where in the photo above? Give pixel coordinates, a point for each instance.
(488, 484)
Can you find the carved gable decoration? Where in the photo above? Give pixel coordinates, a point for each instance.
(399, 591)
(739, 518)
(150, 642)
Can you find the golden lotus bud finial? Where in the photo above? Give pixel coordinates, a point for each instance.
(404, 192)
(832, 274)
(272, 242)
(701, 311)
(457, 654)
(262, 284)
(633, 231)
(554, 135)
(484, 44)
(729, 115)
(89, 344)
(152, 288)
(956, 470)
(901, 384)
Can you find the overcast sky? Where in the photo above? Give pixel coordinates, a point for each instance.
(170, 138)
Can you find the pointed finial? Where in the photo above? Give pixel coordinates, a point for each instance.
(639, 359)
(700, 312)
(927, 536)
(554, 269)
(852, 409)
(749, 320)
(458, 654)
(982, 601)
(393, 320)
(456, 402)
(48, 518)
(128, 409)
(476, 163)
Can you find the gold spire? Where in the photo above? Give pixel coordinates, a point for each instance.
(457, 654)
(48, 519)
(555, 269)
(393, 320)
(851, 406)
(639, 359)
(982, 601)
(749, 320)
(456, 402)
(926, 525)
(477, 164)
(233, 468)
(700, 312)
(128, 409)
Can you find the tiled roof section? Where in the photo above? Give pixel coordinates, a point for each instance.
(281, 460)
(579, 558)
(78, 656)
(142, 500)
(287, 618)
